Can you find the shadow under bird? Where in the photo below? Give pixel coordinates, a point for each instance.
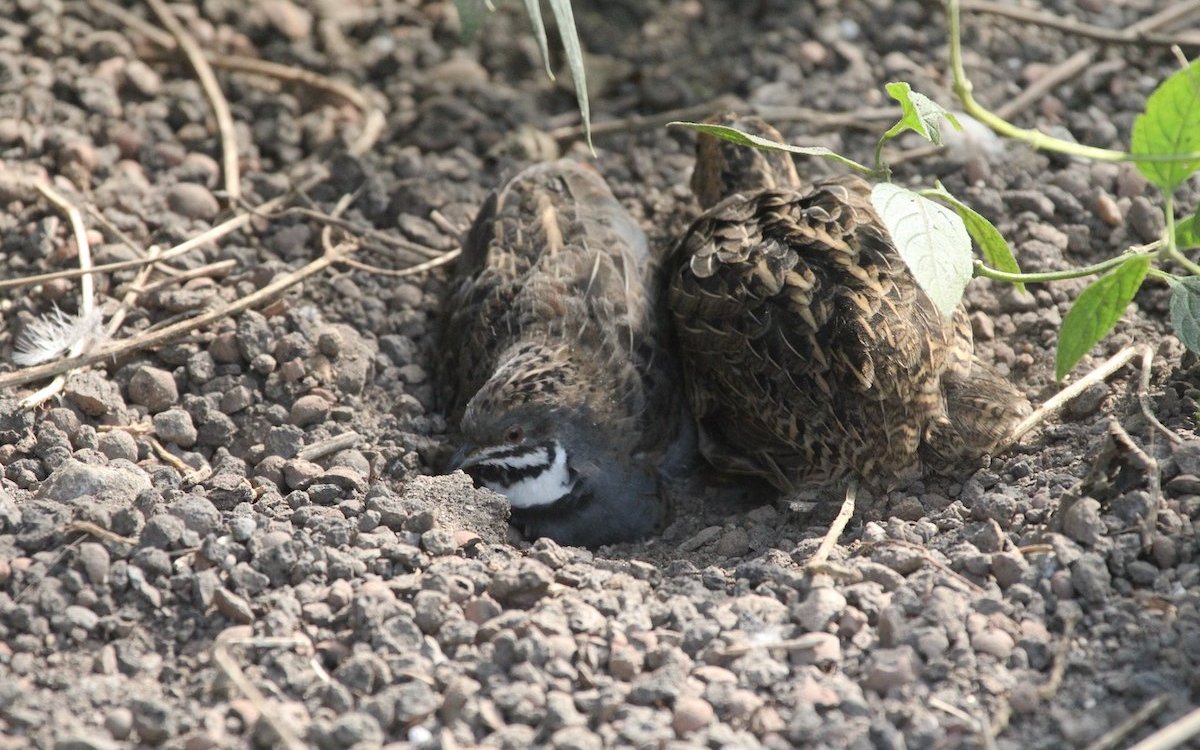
(810, 353)
(552, 359)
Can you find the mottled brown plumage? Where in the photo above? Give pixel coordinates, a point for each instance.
(810, 354)
(551, 346)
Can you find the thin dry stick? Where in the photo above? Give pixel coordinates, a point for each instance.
(1174, 734)
(1079, 62)
(114, 323)
(350, 226)
(805, 642)
(373, 117)
(834, 533)
(135, 22)
(1058, 667)
(1115, 736)
(210, 235)
(1100, 373)
(237, 636)
(1149, 465)
(1058, 400)
(1143, 396)
(327, 446)
(925, 554)
(428, 265)
(212, 89)
(87, 288)
(98, 531)
(212, 269)
(1131, 35)
(162, 336)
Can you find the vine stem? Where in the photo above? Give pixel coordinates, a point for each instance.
(963, 90)
(1070, 273)
(1170, 248)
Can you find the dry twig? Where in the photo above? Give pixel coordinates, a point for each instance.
(114, 349)
(87, 287)
(327, 446)
(428, 265)
(835, 529)
(98, 531)
(1174, 734)
(209, 235)
(1058, 667)
(926, 555)
(240, 635)
(212, 89)
(1082, 60)
(1132, 35)
(373, 119)
(211, 269)
(1115, 736)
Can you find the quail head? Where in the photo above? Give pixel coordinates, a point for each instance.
(810, 353)
(553, 362)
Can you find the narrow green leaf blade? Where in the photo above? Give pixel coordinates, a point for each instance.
(570, 39)
(991, 243)
(1185, 310)
(533, 8)
(471, 15)
(1170, 125)
(1096, 311)
(1187, 232)
(931, 239)
(733, 135)
(921, 114)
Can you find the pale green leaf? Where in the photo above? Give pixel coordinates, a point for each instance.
(533, 8)
(992, 244)
(921, 114)
(931, 239)
(1185, 310)
(733, 135)
(1170, 125)
(1187, 232)
(471, 15)
(1096, 311)
(574, 52)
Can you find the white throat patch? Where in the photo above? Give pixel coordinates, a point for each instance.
(536, 478)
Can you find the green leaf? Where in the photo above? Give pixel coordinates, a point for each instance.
(533, 8)
(991, 243)
(931, 239)
(1096, 311)
(1185, 310)
(921, 114)
(1169, 126)
(733, 135)
(1187, 231)
(471, 15)
(570, 39)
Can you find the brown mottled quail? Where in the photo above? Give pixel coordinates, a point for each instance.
(809, 353)
(553, 360)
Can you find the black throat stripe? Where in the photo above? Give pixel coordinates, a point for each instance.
(503, 475)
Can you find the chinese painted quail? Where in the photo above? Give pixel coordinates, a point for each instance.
(553, 361)
(810, 354)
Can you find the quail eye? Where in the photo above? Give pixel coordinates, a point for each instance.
(514, 434)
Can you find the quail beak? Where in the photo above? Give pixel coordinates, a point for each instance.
(464, 458)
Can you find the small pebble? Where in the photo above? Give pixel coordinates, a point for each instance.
(192, 201)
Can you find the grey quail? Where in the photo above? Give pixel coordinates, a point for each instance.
(809, 352)
(553, 359)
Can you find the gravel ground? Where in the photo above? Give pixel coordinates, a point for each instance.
(269, 582)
